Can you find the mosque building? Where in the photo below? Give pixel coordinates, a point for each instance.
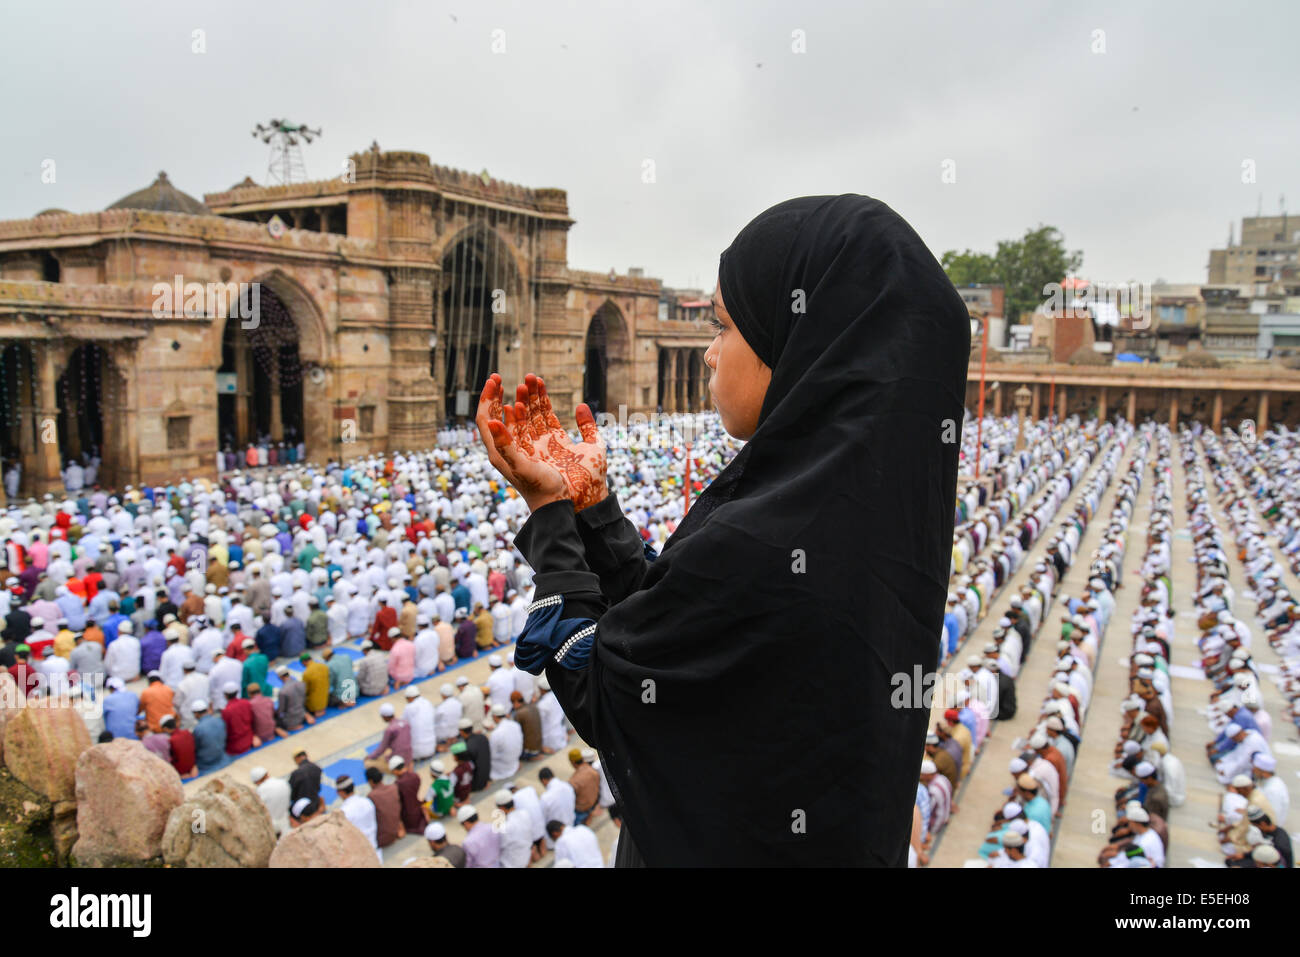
(354, 314)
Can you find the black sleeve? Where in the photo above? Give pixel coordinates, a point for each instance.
(614, 548)
(551, 544)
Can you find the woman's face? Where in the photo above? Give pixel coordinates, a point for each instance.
(740, 379)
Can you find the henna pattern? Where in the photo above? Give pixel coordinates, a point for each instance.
(536, 429)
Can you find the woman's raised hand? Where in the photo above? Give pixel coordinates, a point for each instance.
(534, 453)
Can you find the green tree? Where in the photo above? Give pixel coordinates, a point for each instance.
(1022, 266)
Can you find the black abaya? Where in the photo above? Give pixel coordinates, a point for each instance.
(739, 686)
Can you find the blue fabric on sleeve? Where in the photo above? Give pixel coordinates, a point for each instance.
(549, 637)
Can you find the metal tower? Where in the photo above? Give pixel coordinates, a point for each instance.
(285, 164)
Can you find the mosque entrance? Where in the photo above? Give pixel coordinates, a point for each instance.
(17, 411)
(260, 382)
(80, 401)
(470, 355)
(606, 363)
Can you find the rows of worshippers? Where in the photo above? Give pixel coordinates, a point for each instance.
(975, 577)
(1268, 471)
(1020, 833)
(1154, 778)
(1251, 824)
(986, 686)
(342, 535)
(525, 825)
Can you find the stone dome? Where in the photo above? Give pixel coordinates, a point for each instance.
(52, 211)
(162, 197)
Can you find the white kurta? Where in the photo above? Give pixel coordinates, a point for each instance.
(579, 845)
(419, 714)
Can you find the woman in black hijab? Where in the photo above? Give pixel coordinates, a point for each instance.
(739, 686)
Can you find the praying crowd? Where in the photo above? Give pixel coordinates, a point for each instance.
(1251, 824)
(985, 689)
(1153, 776)
(209, 618)
(1022, 829)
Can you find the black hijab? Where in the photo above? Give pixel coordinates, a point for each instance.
(743, 698)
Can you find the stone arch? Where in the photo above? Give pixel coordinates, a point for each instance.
(91, 395)
(19, 404)
(607, 366)
(478, 330)
(279, 363)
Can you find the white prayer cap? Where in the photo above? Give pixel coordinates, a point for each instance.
(1038, 740)
(411, 692)
(125, 628)
(395, 762)
(367, 645)
(1242, 781)
(1138, 814)
(1131, 747)
(435, 832)
(498, 710)
(462, 681)
(973, 661)
(464, 724)
(465, 813)
(117, 684)
(437, 767)
(299, 806)
(282, 670)
(1062, 687)
(1265, 854)
(1055, 724)
(386, 710)
(589, 755)
(247, 643)
(257, 774)
(928, 767)
(197, 705)
(990, 649)
(230, 687)
(1265, 762)
(1004, 622)
(1019, 826)
(1013, 839)
(1144, 769)
(446, 690)
(1010, 809)
(503, 797)
(1232, 730)
(494, 661)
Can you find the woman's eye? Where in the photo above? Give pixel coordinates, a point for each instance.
(717, 326)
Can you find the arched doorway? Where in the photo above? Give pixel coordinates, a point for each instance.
(697, 382)
(605, 361)
(478, 288)
(81, 403)
(260, 380)
(17, 411)
(91, 398)
(595, 368)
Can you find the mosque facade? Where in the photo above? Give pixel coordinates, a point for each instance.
(352, 315)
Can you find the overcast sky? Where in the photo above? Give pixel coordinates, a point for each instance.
(1135, 153)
